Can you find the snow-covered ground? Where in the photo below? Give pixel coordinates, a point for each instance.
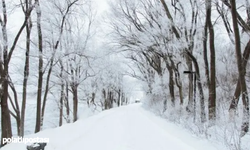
(125, 128)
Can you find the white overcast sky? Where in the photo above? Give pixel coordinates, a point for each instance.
(101, 4)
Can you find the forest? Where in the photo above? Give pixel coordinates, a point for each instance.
(188, 57)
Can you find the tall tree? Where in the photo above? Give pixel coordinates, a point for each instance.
(212, 79)
(40, 67)
(62, 95)
(64, 14)
(246, 28)
(244, 93)
(190, 55)
(6, 55)
(28, 4)
(5, 116)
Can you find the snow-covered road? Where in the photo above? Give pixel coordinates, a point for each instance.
(125, 128)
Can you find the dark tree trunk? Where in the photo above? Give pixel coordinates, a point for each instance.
(4, 68)
(245, 123)
(235, 100)
(119, 98)
(67, 103)
(123, 99)
(93, 98)
(200, 89)
(62, 96)
(105, 99)
(5, 113)
(190, 85)
(40, 69)
(171, 85)
(47, 88)
(177, 79)
(205, 57)
(26, 68)
(111, 99)
(75, 102)
(15, 106)
(61, 105)
(212, 84)
(179, 85)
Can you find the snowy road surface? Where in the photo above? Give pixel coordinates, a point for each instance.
(125, 128)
